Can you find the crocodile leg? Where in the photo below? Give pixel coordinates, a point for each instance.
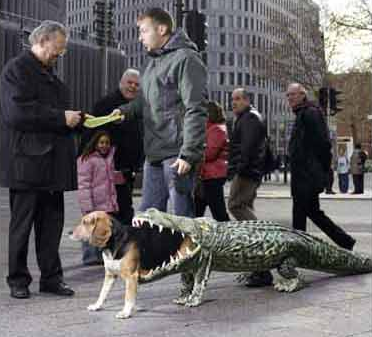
(187, 284)
(292, 280)
(200, 281)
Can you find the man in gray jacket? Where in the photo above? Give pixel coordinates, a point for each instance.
(173, 107)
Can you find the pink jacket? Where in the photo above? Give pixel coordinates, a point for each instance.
(214, 164)
(96, 178)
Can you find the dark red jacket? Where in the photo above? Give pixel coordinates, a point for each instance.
(214, 163)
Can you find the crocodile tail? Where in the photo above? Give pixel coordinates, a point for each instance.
(340, 261)
(326, 257)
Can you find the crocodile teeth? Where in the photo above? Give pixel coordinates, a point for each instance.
(164, 264)
(188, 251)
(179, 254)
(172, 231)
(192, 239)
(172, 260)
(151, 224)
(160, 228)
(183, 235)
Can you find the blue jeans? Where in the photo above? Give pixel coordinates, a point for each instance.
(343, 182)
(162, 183)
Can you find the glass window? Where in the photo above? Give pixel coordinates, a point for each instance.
(240, 79)
(247, 79)
(222, 59)
(231, 78)
(231, 59)
(222, 39)
(221, 78)
(221, 21)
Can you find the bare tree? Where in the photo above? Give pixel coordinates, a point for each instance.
(356, 103)
(358, 19)
(297, 51)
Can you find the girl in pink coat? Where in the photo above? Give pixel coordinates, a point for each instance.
(97, 178)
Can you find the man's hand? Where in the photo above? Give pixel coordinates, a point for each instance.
(182, 166)
(117, 112)
(73, 118)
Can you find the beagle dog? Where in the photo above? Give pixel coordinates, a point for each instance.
(128, 252)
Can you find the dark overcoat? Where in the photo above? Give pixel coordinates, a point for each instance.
(37, 148)
(309, 151)
(247, 146)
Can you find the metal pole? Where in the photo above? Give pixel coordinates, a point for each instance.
(179, 15)
(105, 58)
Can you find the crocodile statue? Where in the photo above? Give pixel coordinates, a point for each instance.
(244, 246)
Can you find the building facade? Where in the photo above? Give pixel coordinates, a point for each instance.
(35, 9)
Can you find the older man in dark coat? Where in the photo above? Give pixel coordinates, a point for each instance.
(37, 158)
(310, 160)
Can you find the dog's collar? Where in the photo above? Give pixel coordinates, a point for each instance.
(115, 243)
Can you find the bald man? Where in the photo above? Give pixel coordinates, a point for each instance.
(310, 159)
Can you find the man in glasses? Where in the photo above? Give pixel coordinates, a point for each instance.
(37, 156)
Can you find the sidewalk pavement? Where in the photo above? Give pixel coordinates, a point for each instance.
(280, 190)
(330, 307)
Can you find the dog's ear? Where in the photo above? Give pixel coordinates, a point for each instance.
(102, 232)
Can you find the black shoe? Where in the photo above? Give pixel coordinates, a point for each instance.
(259, 279)
(350, 245)
(19, 292)
(60, 288)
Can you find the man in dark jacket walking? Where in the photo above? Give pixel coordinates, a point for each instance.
(37, 158)
(246, 167)
(310, 160)
(247, 156)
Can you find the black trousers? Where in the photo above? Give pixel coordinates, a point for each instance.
(330, 181)
(213, 197)
(358, 181)
(125, 203)
(45, 212)
(308, 207)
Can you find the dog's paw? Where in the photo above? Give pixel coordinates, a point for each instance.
(123, 314)
(94, 307)
(193, 301)
(180, 300)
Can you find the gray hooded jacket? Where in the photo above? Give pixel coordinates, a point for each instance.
(172, 102)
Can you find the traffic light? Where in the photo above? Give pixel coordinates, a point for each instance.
(333, 101)
(109, 23)
(196, 27)
(323, 98)
(99, 21)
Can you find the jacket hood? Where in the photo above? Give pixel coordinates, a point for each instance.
(177, 40)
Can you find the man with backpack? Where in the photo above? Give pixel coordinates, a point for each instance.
(248, 154)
